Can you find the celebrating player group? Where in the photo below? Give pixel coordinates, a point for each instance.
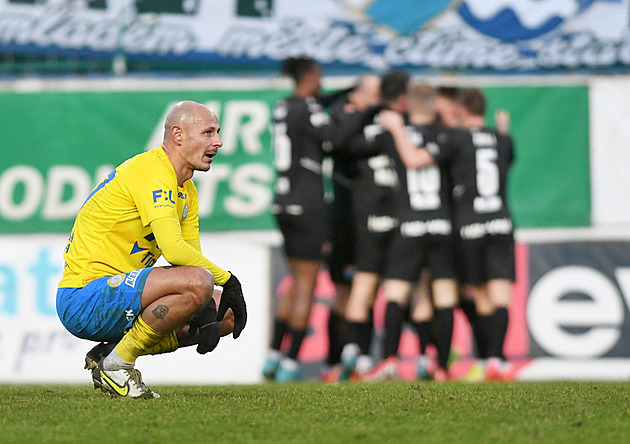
(419, 209)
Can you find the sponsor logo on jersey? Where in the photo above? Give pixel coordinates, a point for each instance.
(185, 212)
(132, 277)
(137, 248)
(419, 228)
(115, 281)
(381, 224)
(294, 209)
(129, 314)
(163, 196)
(492, 227)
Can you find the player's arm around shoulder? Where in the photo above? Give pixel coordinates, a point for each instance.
(411, 156)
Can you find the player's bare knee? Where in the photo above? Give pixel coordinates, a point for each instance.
(200, 286)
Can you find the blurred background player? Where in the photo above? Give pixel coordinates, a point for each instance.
(300, 129)
(422, 241)
(373, 197)
(481, 159)
(348, 116)
(447, 115)
(445, 106)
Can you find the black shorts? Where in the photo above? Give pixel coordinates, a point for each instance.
(486, 258)
(305, 235)
(372, 245)
(408, 256)
(341, 257)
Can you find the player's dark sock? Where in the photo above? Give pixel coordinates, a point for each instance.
(500, 325)
(279, 330)
(485, 336)
(394, 315)
(369, 331)
(354, 332)
(468, 307)
(337, 327)
(365, 343)
(360, 333)
(423, 329)
(297, 336)
(444, 334)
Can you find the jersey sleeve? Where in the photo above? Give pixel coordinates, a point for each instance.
(313, 123)
(178, 251)
(190, 224)
(511, 152)
(446, 142)
(439, 148)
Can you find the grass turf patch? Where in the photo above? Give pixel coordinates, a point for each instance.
(397, 412)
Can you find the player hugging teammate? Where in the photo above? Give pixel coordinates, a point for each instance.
(420, 211)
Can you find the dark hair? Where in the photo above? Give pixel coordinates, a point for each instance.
(296, 67)
(473, 100)
(393, 85)
(450, 92)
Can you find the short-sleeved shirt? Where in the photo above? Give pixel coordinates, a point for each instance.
(300, 130)
(425, 193)
(480, 159)
(112, 233)
(376, 184)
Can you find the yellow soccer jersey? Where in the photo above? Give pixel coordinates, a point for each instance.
(111, 234)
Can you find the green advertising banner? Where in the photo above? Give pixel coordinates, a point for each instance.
(57, 145)
(550, 180)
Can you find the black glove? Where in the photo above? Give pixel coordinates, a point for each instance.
(232, 297)
(209, 331)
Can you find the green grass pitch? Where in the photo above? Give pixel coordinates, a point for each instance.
(311, 412)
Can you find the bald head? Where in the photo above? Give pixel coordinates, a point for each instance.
(191, 138)
(185, 114)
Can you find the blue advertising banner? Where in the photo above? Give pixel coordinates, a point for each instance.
(470, 36)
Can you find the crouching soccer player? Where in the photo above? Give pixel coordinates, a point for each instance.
(111, 292)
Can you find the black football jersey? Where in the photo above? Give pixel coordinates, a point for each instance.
(345, 126)
(479, 162)
(346, 129)
(376, 182)
(300, 130)
(426, 192)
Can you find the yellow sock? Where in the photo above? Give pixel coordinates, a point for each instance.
(138, 340)
(168, 343)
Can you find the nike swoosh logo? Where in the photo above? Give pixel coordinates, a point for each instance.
(122, 391)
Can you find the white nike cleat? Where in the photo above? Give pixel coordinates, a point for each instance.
(123, 382)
